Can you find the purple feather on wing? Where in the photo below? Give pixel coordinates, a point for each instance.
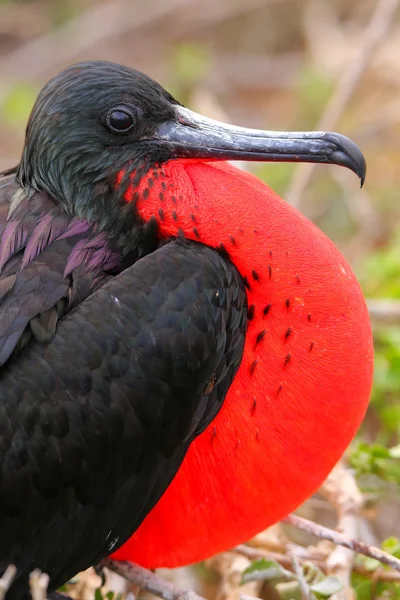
(49, 261)
(94, 253)
(50, 226)
(75, 227)
(12, 240)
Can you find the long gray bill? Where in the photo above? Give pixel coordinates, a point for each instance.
(193, 136)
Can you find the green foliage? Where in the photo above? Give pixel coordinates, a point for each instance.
(18, 103)
(189, 63)
(312, 93)
(276, 175)
(386, 390)
(98, 595)
(367, 588)
(392, 544)
(380, 274)
(380, 278)
(262, 569)
(367, 585)
(326, 587)
(374, 459)
(362, 585)
(286, 583)
(63, 11)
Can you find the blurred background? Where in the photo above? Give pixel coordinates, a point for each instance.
(273, 64)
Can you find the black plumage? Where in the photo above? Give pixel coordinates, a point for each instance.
(117, 349)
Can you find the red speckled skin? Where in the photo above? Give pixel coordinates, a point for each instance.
(304, 384)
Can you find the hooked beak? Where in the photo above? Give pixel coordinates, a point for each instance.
(193, 136)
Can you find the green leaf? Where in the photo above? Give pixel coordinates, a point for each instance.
(327, 587)
(375, 459)
(265, 570)
(362, 586)
(311, 573)
(395, 451)
(369, 563)
(392, 546)
(289, 590)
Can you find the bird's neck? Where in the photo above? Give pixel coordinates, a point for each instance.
(94, 198)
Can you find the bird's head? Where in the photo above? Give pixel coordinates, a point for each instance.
(109, 142)
(87, 123)
(97, 118)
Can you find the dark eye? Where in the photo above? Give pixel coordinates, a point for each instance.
(120, 119)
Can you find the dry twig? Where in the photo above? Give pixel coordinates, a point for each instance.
(341, 540)
(341, 490)
(384, 312)
(315, 555)
(308, 555)
(150, 581)
(375, 32)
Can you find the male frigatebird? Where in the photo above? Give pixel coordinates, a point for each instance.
(143, 286)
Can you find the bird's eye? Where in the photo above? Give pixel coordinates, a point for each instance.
(120, 119)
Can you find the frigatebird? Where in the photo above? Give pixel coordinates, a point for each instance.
(145, 285)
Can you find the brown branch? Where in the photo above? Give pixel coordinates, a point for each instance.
(341, 540)
(378, 26)
(384, 312)
(317, 557)
(150, 581)
(341, 490)
(379, 574)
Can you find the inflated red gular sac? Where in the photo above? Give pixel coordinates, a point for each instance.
(184, 356)
(304, 382)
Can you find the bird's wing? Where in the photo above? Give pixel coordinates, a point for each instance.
(95, 424)
(42, 252)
